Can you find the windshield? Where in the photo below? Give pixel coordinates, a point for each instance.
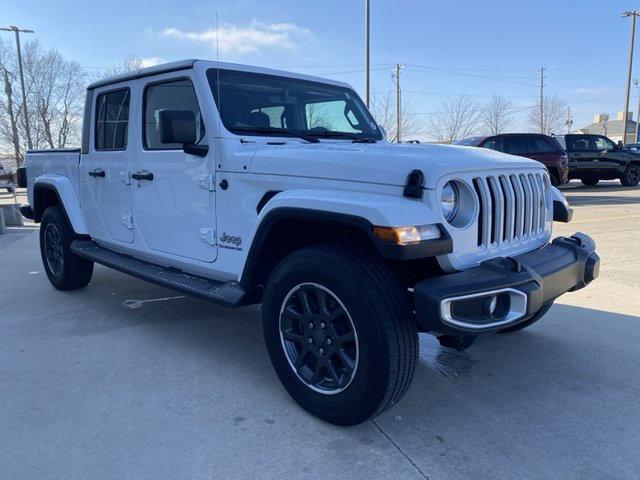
(259, 104)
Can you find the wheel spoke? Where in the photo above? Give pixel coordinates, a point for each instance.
(293, 337)
(346, 359)
(317, 374)
(299, 363)
(304, 299)
(347, 337)
(335, 376)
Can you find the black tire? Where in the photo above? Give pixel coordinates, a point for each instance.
(631, 176)
(554, 179)
(590, 181)
(66, 271)
(527, 323)
(385, 332)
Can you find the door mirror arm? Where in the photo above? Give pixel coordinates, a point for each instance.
(197, 150)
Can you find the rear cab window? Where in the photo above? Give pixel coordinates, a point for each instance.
(112, 120)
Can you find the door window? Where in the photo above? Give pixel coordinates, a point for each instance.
(517, 145)
(541, 145)
(603, 143)
(112, 120)
(172, 95)
(581, 143)
(495, 143)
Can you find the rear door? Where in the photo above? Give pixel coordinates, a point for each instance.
(174, 199)
(583, 155)
(105, 187)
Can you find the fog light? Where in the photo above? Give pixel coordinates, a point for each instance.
(490, 305)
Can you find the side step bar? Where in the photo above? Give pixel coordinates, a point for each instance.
(229, 294)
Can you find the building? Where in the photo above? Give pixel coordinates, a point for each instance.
(603, 125)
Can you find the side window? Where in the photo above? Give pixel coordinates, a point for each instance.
(172, 95)
(581, 143)
(540, 145)
(495, 143)
(112, 120)
(331, 116)
(603, 143)
(517, 145)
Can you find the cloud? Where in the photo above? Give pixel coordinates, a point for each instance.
(592, 90)
(151, 61)
(244, 40)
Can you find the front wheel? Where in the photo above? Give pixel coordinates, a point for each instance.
(631, 176)
(65, 270)
(339, 333)
(590, 181)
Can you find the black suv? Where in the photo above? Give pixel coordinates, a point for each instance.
(535, 146)
(595, 157)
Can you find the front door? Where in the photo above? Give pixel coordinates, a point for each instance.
(174, 210)
(105, 187)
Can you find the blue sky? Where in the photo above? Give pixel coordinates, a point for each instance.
(478, 48)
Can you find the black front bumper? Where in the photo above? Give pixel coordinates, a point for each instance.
(460, 303)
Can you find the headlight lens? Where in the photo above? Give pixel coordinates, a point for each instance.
(450, 201)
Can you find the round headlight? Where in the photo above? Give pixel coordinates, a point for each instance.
(449, 201)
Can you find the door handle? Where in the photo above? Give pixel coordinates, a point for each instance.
(142, 175)
(97, 172)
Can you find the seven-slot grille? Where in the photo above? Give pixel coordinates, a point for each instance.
(512, 207)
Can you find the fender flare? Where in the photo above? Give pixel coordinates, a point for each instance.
(62, 187)
(361, 211)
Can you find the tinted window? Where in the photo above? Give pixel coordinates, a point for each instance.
(581, 143)
(517, 145)
(175, 95)
(561, 141)
(495, 143)
(112, 120)
(542, 145)
(249, 103)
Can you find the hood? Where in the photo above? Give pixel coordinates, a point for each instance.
(382, 163)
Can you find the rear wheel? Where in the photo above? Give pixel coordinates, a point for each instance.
(590, 181)
(65, 270)
(631, 176)
(537, 316)
(339, 333)
(554, 179)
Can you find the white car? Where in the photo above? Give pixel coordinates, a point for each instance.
(243, 185)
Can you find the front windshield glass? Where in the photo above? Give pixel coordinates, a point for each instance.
(259, 104)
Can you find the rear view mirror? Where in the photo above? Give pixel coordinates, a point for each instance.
(177, 126)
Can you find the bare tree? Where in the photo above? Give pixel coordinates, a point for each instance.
(54, 89)
(9, 135)
(497, 115)
(458, 117)
(553, 115)
(383, 109)
(130, 63)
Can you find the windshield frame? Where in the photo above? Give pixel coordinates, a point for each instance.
(374, 134)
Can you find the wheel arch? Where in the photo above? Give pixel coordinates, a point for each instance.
(57, 190)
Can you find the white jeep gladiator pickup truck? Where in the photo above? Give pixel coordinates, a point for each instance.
(244, 185)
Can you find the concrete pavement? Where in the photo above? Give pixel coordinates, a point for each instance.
(128, 380)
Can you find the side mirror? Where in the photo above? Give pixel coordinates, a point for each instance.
(177, 126)
(620, 144)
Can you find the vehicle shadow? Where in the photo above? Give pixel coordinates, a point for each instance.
(557, 400)
(580, 200)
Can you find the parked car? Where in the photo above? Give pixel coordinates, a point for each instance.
(6, 179)
(595, 157)
(536, 146)
(242, 185)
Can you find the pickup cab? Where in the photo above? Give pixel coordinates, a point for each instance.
(243, 185)
(595, 157)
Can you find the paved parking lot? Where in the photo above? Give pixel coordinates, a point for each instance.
(128, 380)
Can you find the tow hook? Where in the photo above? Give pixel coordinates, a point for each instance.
(458, 342)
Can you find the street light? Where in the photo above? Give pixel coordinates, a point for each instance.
(18, 31)
(633, 14)
(367, 80)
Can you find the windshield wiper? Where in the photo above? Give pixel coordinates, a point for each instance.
(350, 136)
(276, 131)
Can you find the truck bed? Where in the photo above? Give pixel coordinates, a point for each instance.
(62, 162)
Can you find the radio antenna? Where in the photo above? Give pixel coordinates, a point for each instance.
(218, 73)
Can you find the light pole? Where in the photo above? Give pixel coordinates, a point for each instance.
(633, 14)
(367, 65)
(635, 84)
(17, 31)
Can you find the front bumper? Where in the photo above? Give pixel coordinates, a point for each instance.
(504, 291)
